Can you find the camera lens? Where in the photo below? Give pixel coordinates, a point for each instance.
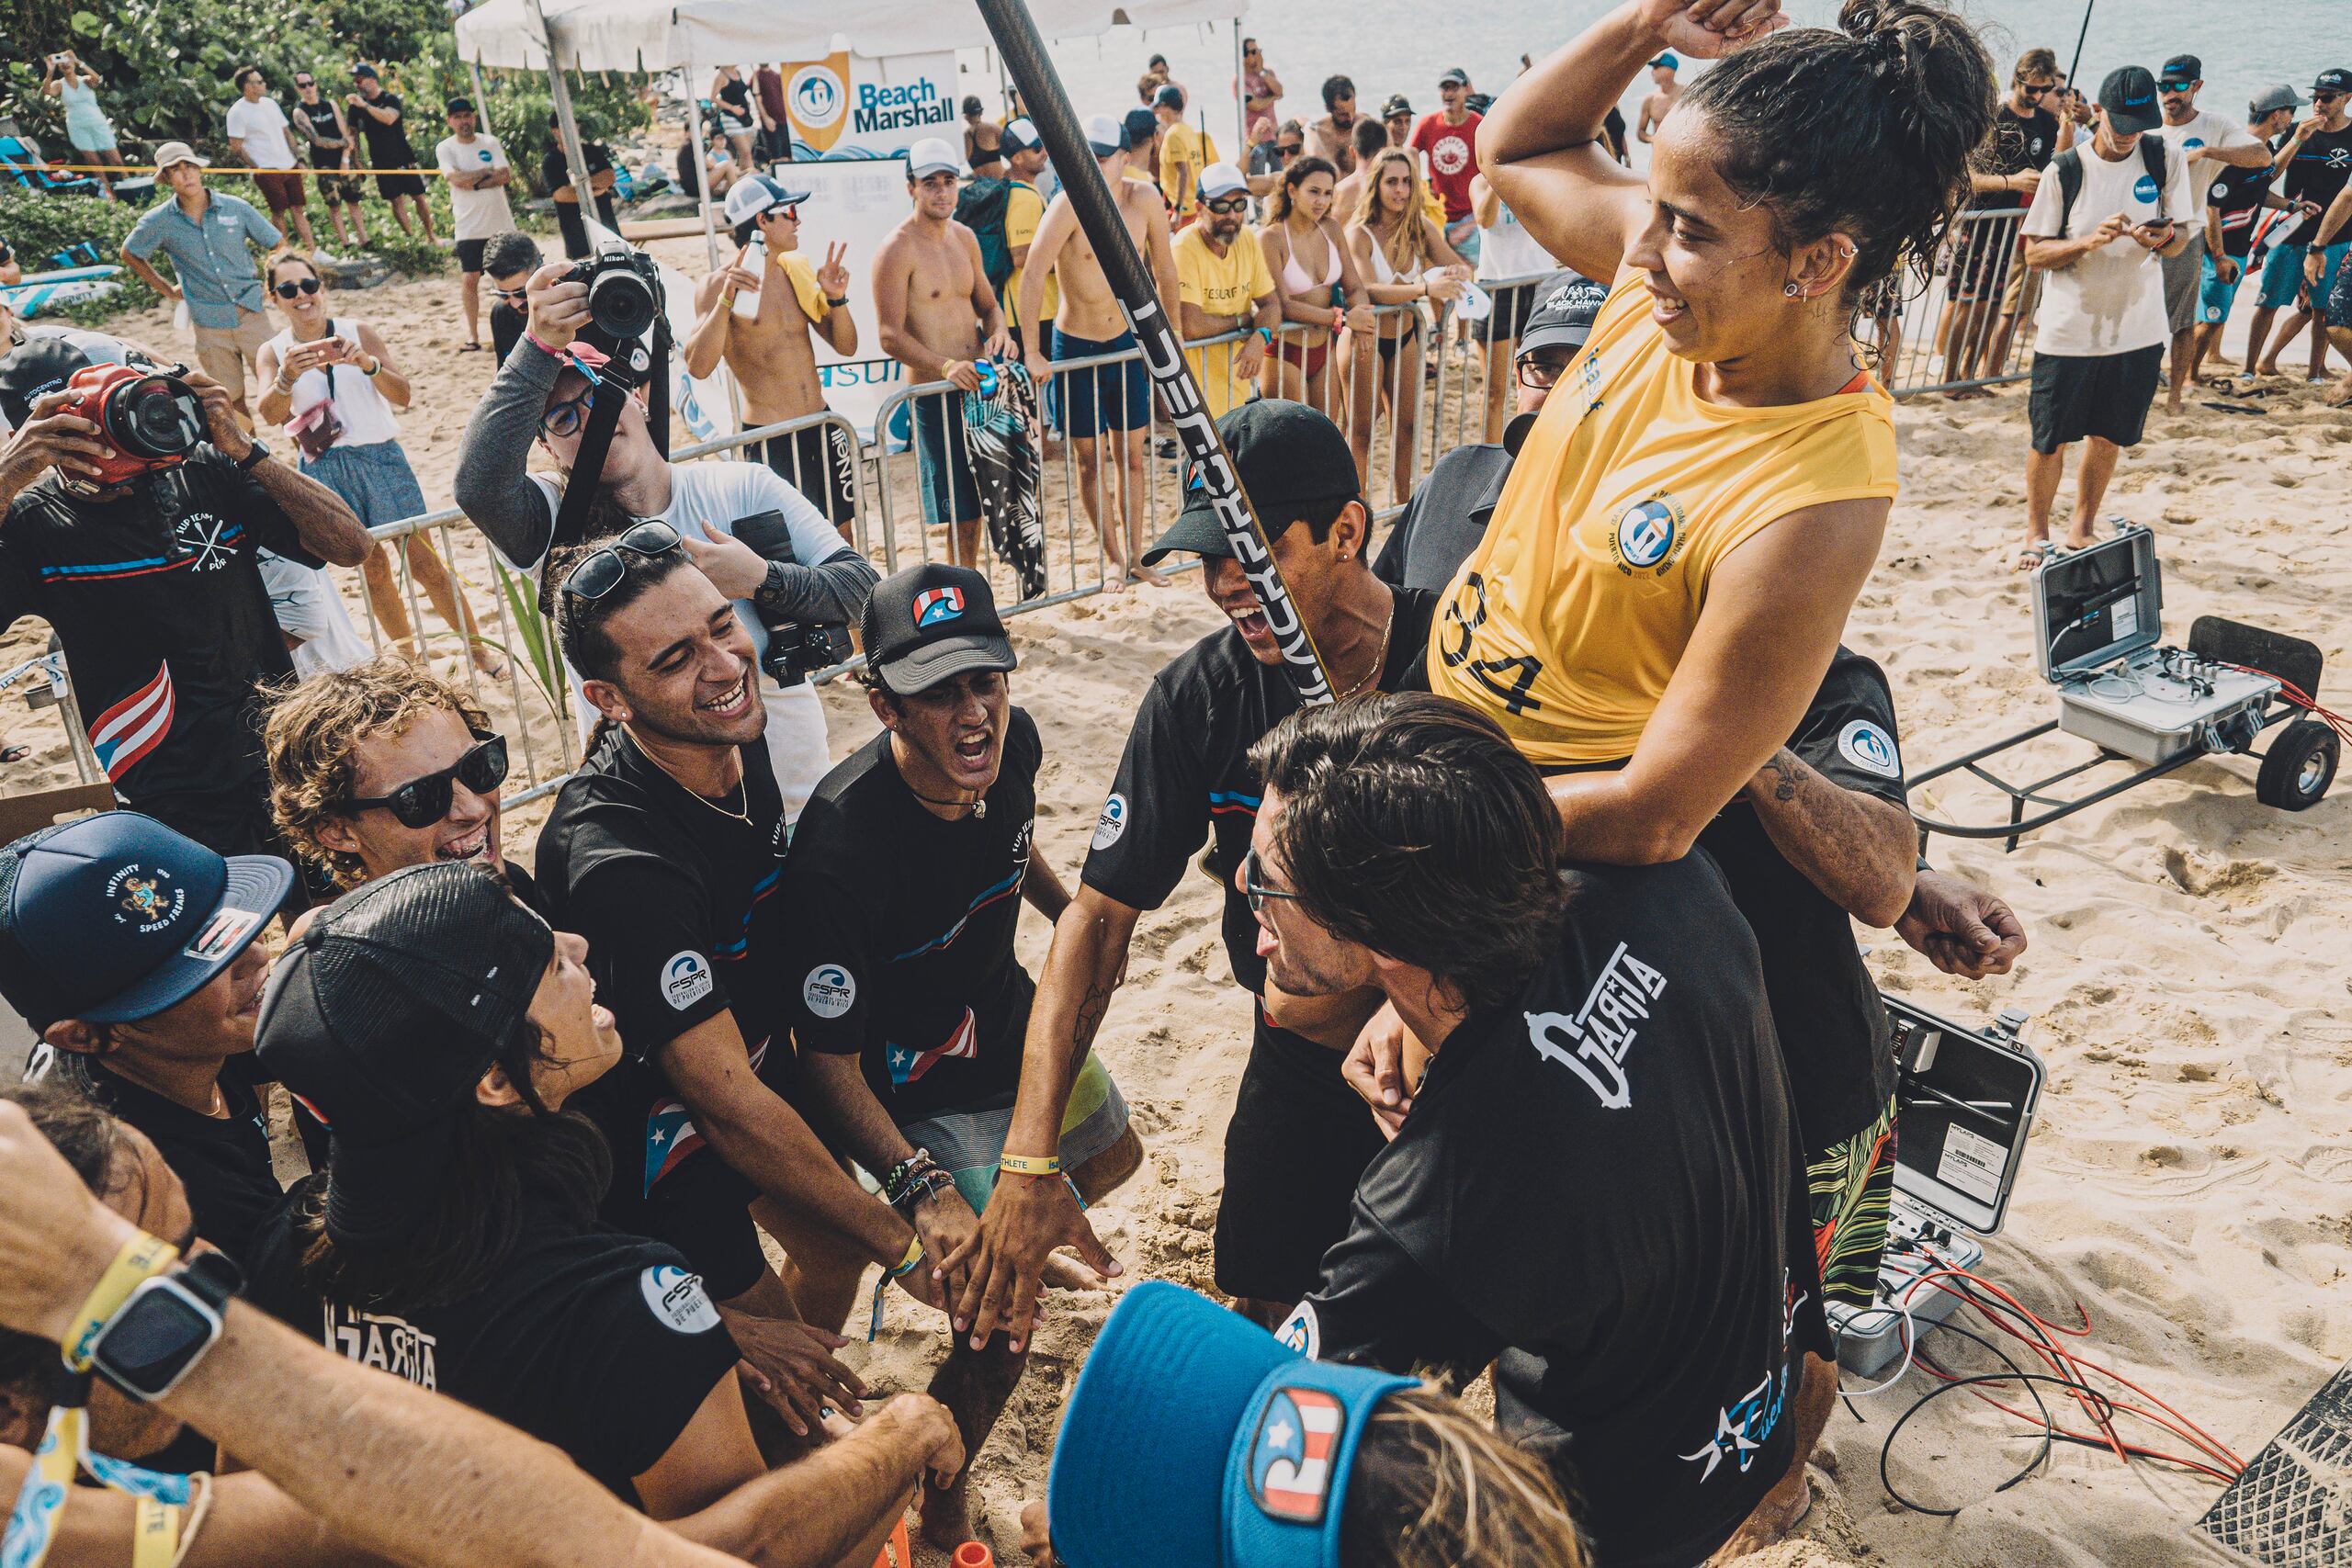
(620, 303)
(152, 417)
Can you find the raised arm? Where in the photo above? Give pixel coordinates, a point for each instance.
(491, 484)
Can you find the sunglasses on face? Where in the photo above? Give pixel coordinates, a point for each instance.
(602, 572)
(293, 287)
(304, 81)
(514, 295)
(1290, 149)
(1226, 204)
(420, 803)
(1253, 883)
(2037, 89)
(2325, 97)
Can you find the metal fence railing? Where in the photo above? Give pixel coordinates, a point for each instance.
(1972, 326)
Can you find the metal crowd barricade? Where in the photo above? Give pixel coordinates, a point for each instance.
(1972, 326)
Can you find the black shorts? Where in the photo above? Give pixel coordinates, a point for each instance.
(817, 463)
(2104, 395)
(469, 254)
(391, 185)
(1296, 1148)
(1981, 263)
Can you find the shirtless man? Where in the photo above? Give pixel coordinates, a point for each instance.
(774, 362)
(937, 314)
(1666, 92)
(1112, 401)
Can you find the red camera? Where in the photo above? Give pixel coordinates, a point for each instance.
(151, 421)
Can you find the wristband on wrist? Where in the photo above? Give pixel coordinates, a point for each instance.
(1030, 1164)
(842, 304)
(906, 1265)
(534, 340)
(1267, 333)
(142, 1258)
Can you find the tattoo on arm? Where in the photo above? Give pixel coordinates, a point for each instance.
(1091, 1009)
(1783, 768)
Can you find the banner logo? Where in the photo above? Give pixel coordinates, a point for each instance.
(816, 99)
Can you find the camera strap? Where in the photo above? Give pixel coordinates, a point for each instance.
(604, 401)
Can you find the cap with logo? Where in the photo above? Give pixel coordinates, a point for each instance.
(172, 152)
(458, 105)
(1397, 104)
(116, 917)
(1105, 135)
(1019, 135)
(2180, 71)
(1250, 1466)
(2129, 96)
(1667, 61)
(1286, 456)
(2270, 100)
(755, 194)
(1566, 304)
(1456, 78)
(928, 623)
(384, 1017)
(1167, 95)
(2335, 80)
(930, 156)
(1221, 180)
(33, 368)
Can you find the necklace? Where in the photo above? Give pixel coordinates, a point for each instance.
(742, 816)
(1380, 661)
(977, 806)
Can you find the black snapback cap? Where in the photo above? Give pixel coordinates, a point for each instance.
(1286, 456)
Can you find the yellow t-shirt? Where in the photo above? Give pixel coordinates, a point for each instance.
(1222, 285)
(1183, 147)
(1568, 620)
(1024, 210)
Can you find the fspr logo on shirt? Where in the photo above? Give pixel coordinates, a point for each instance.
(1648, 536)
(829, 990)
(686, 980)
(1112, 823)
(1870, 749)
(677, 1299)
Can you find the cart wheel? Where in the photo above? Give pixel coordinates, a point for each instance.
(2298, 767)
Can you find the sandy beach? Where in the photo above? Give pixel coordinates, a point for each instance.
(2188, 1180)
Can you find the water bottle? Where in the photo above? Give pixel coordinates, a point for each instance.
(986, 370)
(755, 262)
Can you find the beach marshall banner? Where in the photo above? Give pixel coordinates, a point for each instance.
(857, 105)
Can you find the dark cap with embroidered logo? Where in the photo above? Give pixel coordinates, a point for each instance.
(384, 1016)
(1286, 455)
(116, 917)
(2129, 96)
(931, 622)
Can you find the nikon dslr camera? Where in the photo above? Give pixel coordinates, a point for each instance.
(624, 293)
(796, 649)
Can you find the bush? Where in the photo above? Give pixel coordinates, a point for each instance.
(39, 226)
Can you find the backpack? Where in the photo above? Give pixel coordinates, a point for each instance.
(980, 207)
(2069, 166)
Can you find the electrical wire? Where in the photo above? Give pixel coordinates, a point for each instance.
(2299, 698)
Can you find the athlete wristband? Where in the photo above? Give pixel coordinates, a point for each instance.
(1268, 334)
(1030, 1164)
(907, 1264)
(142, 1258)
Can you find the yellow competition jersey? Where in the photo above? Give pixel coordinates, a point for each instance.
(1568, 620)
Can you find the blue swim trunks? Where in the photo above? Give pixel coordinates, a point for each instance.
(2282, 274)
(1108, 397)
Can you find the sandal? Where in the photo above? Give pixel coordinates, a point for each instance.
(2036, 553)
(470, 349)
(15, 753)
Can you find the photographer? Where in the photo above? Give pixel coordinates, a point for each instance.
(152, 583)
(801, 575)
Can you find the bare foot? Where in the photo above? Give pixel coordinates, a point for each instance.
(2074, 542)
(2172, 403)
(2268, 367)
(1782, 1509)
(1146, 575)
(406, 648)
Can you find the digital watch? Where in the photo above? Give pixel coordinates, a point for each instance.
(166, 1327)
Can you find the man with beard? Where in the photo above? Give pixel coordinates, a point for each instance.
(1332, 138)
(1222, 285)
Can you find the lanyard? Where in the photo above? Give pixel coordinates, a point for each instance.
(65, 1448)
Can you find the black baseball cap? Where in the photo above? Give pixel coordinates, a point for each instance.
(384, 1016)
(1167, 95)
(1566, 304)
(116, 917)
(458, 105)
(2180, 70)
(2129, 96)
(928, 623)
(2334, 80)
(362, 69)
(1456, 78)
(972, 104)
(1397, 104)
(34, 368)
(1286, 456)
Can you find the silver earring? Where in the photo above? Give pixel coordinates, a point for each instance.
(1793, 290)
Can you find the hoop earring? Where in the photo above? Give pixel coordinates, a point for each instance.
(1793, 290)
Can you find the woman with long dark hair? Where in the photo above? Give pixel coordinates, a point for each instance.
(1320, 288)
(1672, 560)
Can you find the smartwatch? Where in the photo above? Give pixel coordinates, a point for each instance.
(254, 455)
(166, 1326)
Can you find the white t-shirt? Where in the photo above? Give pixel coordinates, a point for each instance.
(1508, 249)
(260, 124)
(480, 213)
(709, 498)
(2205, 128)
(2110, 301)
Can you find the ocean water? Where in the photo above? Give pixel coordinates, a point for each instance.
(1389, 45)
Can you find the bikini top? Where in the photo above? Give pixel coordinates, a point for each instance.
(1295, 278)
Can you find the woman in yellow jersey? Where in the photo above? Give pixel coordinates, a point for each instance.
(1671, 562)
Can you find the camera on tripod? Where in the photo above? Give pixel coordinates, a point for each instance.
(624, 300)
(796, 649)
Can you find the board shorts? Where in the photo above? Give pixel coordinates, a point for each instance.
(2106, 395)
(1849, 1186)
(2184, 275)
(817, 463)
(2215, 298)
(391, 185)
(1464, 234)
(469, 254)
(1298, 1142)
(282, 188)
(967, 1144)
(1108, 397)
(338, 189)
(223, 353)
(950, 491)
(2022, 293)
(2282, 274)
(1981, 261)
(2339, 302)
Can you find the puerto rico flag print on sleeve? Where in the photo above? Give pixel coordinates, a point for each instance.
(126, 732)
(907, 1065)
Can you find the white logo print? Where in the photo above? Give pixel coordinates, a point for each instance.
(829, 990)
(1602, 1030)
(1870, 749)
(1302, 1331)
(1112, 823)
(200, 532)
(686, 980)
(678, 1300)
(1450, 156)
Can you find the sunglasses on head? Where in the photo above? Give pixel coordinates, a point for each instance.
(1253, 883)
(294, 285)
(601, 573)
(420, 803)
(1224, 204)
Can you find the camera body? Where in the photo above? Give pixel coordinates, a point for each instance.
(796, 649)
(624, 299)
(150, 420)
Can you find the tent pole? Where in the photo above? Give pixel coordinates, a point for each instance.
(1240, 107)
(567, 127)
(473, 69)
(702, 179)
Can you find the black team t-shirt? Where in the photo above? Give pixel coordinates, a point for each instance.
(1597, 1184)
(601, 1343)
(675, 895)
(223, 1161)
(2317, 171)
(900, 925)
(1825, 1008)
(387, 145)
(2019, 141)
(165, 634)
(2236, 194)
